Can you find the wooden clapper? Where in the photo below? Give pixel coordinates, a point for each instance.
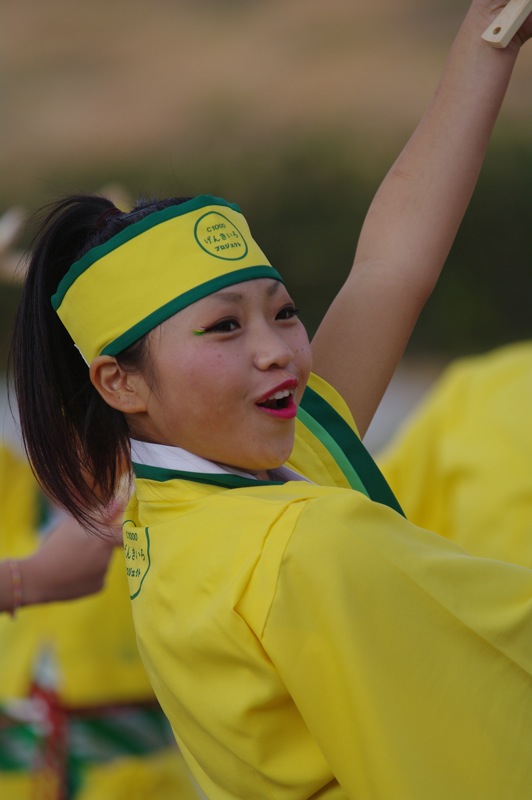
(507, 23)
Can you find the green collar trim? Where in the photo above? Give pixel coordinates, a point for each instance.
(226, 480)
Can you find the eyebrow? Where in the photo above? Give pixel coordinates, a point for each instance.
(236, 297)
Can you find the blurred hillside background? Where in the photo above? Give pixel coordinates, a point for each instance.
(295, 109)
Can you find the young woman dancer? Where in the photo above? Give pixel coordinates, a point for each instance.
(303, 638)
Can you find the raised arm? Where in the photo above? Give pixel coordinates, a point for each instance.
(414, 217)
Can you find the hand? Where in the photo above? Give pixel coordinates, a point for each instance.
(110, 524)
(509, 22)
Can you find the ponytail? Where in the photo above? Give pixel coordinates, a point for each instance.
(78, 446)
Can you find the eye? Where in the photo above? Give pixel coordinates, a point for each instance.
(228, 325)
(288, 312)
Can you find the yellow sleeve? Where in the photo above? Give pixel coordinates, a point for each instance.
(409, 661)
(20, 506)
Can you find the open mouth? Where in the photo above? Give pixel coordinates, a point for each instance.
(278, 401)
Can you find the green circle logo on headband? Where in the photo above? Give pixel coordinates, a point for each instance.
(218, 236)
(122, 289)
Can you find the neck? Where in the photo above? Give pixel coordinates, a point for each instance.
(262, 475)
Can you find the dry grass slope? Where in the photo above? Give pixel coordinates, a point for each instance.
(105, 81)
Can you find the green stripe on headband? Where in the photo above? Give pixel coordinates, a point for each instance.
(135, 229)
(122, 289)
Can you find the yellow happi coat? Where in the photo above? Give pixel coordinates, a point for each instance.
(307, 641)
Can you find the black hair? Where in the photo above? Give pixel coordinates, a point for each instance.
(78, 446)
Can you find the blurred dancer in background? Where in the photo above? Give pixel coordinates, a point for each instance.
(462, 463)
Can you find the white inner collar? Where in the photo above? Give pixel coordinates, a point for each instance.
(175, 458)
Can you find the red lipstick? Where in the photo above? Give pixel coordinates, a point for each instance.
(279, 401)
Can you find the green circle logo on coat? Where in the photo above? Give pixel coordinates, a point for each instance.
(137, 553)
(220, 237)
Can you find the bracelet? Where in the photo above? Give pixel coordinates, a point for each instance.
(16, 583)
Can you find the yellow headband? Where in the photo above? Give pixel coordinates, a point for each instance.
(120, 290)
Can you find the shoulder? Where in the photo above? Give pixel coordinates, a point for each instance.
(214, 522)
(321, 536)
(235, 538)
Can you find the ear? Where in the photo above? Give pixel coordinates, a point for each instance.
(120, 389)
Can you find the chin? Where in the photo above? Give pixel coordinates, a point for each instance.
(265, 458)
(277, 460)
(263, 465)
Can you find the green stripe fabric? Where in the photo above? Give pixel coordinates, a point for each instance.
(122, 732)
(93, 736)
(334, 449)
(20, 744)
(329, 425)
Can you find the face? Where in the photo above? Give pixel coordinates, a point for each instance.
(228, 375)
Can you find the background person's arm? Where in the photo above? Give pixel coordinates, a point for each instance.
(70, 563)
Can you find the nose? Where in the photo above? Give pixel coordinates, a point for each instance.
(271, 349)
